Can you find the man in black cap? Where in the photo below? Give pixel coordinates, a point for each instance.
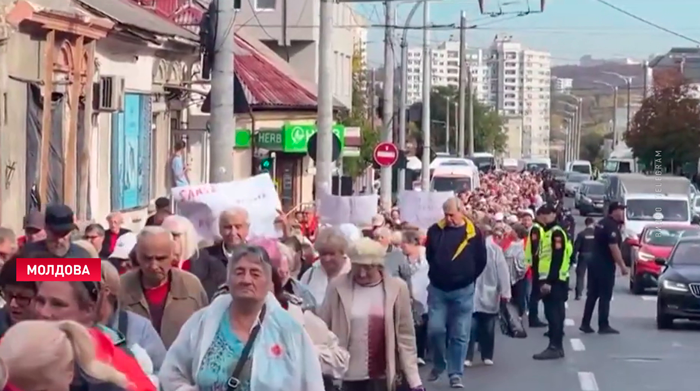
(601, 269)
(59, 223)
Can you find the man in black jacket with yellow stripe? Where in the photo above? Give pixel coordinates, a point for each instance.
(456, 253)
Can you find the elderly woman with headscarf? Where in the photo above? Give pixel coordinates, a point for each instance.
(56, 356)
(331, 245)
(492, 286)
(370, 312)
(243, 338)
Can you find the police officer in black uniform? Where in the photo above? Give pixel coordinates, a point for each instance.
(583, 252)
(568, 223)
(601, 269)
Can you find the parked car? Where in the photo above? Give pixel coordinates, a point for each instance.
(590, 198)
(656, 241)
(679, 284)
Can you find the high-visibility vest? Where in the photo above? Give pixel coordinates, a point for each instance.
(545, 254)
(529, 251)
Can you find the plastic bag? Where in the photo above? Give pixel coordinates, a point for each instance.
(511, 323)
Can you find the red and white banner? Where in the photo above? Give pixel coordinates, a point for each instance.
(59, 269)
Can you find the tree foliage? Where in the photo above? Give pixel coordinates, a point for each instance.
(488, 125)
(667, 126)
(591, 146)
(359, 116)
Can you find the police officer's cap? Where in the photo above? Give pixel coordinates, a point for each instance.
(546, 210)
(615, 206)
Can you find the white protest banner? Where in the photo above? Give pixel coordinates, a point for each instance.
(422, 209)
(203, 204)
(357, 210)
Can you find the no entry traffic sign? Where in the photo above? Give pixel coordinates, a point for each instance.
(386, 154)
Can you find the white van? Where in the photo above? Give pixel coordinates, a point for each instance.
(580, 166)
(455, 178)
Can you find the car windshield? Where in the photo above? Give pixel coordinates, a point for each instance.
(595, 189)
(686, 253)
(582, 168)
(657, 210)
(617, 166)
(451, 184)
(663, 237)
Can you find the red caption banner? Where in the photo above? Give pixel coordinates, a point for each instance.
(59, 269)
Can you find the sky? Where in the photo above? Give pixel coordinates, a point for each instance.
(568, 29)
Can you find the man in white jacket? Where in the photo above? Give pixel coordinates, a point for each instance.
(492, 287)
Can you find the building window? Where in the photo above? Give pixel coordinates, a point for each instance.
(265, 5)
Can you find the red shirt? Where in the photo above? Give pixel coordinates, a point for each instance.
(186, 265)
(113, 242)
(156, 298)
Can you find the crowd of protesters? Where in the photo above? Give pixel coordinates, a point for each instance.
(320, 308)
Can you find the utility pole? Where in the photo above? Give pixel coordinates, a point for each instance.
(371, 98)
(629, 103)
(223, 121)
(645, 68)
(388, 98)
(614, 119)
(324, 141)
(403, 97)
(462, 82)
(427, 89)
(471, 111)
(447, 124)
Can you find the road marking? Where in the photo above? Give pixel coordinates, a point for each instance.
(587, 381)
(569, 322)
(649, 298)
(577, 345)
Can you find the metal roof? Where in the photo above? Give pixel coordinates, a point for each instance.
(131, 14)
(638, 183)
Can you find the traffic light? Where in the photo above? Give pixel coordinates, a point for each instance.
(266, 164)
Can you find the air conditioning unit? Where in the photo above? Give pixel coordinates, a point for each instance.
(109, 94)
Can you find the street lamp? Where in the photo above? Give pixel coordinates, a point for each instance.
(614, 118)
(628, 81)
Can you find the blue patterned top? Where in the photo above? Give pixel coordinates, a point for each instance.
(220, 359)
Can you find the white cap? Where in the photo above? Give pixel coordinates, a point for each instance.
(498, 216)
(124, 245)
(512, 219)
(350, 231)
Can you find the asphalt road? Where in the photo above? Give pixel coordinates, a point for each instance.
(641, 358)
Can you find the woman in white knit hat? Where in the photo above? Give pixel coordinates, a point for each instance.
(370, 313)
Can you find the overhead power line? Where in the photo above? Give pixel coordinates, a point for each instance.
(648, 22)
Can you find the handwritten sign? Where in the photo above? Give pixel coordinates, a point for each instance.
(422, 209)
(357, 210)
(203, 204)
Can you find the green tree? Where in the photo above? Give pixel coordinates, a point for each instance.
(666, 129)
(488, 125)
(591, 146)
(359, 117)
